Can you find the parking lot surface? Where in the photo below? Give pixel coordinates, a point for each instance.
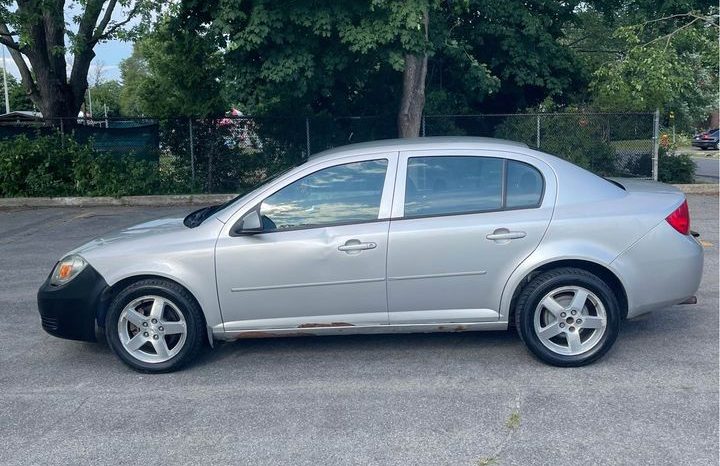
(465, 398)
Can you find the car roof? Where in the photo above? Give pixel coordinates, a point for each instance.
(422, 143)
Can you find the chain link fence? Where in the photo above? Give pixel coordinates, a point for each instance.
(231, 154)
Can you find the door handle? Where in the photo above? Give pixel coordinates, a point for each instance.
(505, 234)
(355, 245)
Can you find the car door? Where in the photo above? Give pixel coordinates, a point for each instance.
(462, 222)
(320, 260)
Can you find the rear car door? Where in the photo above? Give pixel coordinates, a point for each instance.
(321, 258)
(462, 222)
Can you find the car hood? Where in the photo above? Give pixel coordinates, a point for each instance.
(152, 228)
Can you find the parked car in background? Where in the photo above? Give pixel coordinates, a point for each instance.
(411, 235)
(707, 139)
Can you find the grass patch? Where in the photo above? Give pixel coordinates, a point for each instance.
(513, 422)
(487, 461)
(635, 145)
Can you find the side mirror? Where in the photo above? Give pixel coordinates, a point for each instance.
(250, 224)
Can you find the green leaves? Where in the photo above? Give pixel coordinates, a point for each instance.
(667, 66)
(172, 72)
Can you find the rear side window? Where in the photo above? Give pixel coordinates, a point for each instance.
(452, 185)
(465, 184)
(524, 185)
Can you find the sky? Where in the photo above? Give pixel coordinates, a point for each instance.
(109, 54)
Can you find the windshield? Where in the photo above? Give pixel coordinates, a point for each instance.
(197, 217)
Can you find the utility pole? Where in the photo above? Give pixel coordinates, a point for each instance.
(90, 100)
(7, 99)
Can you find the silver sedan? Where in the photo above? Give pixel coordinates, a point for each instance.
(412, 235)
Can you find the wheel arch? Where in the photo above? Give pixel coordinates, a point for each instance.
(603, 272)
(120, 285)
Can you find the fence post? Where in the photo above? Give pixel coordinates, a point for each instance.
(307, 137)
(192, 152)
(656, 144)
(537, 131)
(423, 125)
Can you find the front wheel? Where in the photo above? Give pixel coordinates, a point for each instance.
(154, 325)
(567, 317)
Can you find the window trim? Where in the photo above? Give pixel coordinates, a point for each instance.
(503, 206)
(389, 179)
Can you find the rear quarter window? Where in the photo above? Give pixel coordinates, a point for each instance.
(524, 185)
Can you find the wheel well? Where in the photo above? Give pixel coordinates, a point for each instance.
(604, 273)
(113, 290)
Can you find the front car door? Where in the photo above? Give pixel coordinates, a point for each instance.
(321, 258)
(462, 222)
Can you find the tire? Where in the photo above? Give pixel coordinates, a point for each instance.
(155, 326)
(550, 303)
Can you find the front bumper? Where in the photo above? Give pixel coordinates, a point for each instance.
(70, 310)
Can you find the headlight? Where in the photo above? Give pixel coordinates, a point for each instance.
(67, 269)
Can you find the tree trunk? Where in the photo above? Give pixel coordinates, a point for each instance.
(47, 84)
(413, 94)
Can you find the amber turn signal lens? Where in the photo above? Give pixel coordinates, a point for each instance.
(65, 270)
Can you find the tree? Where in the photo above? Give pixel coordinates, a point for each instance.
(172, 72)
(133, 73)
(667, 63)
(36, 31)
(106, 99)
(16, 95)
(387, 56)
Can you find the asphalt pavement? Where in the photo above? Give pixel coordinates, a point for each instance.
(707, 169)
(707, 164)
(466, 398)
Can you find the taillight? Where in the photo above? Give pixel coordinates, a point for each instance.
(680, 219)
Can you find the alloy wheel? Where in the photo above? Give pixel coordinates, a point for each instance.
(152, 329)
(570, 320)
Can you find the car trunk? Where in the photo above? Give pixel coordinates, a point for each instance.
(634, 185)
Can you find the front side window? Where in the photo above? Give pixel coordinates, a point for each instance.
(452, 185)
(348, 193)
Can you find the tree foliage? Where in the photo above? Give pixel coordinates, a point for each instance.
(674, 70)
(17, 97)
(172, 72)
(106, 98)
(344, 58)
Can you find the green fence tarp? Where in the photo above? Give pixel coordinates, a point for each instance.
(139, 141)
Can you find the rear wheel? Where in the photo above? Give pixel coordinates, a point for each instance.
(154, 326)
(567, 317)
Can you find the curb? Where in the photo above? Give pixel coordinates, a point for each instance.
(202, 199)
(147, 201)
(700, 188)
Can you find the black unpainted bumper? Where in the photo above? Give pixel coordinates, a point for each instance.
(70, 310)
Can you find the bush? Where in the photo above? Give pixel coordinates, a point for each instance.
(57, 166)
(675, 168)
(577, 138)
